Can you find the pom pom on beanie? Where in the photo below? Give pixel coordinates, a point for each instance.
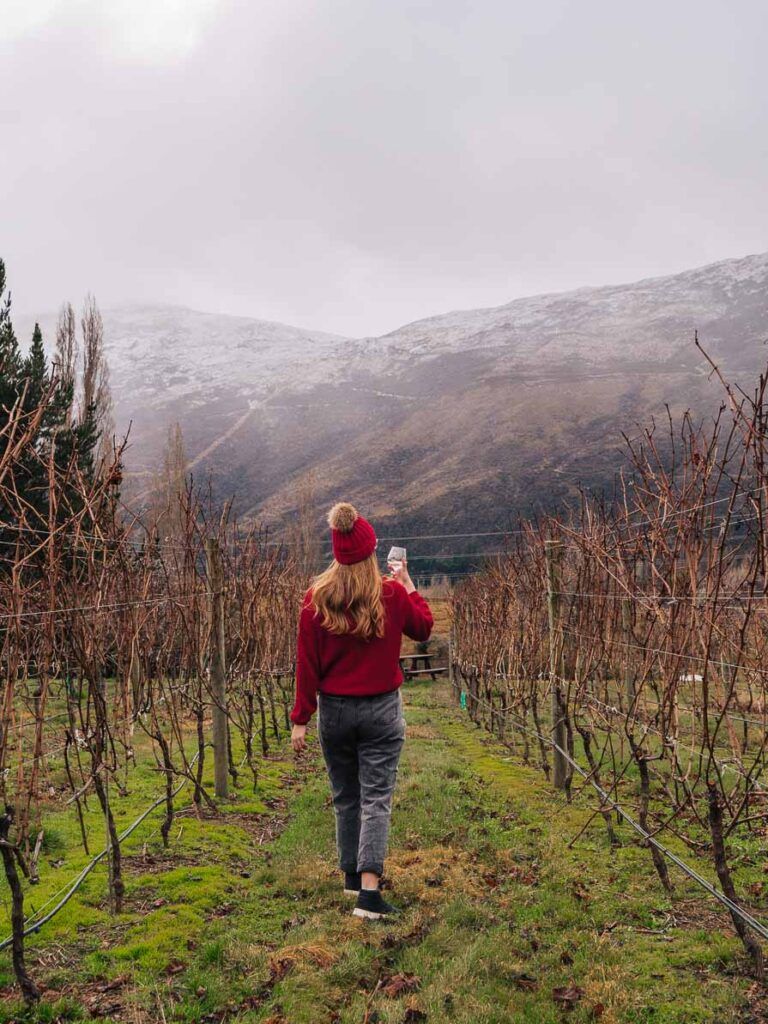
(342, 517)
(352, 537)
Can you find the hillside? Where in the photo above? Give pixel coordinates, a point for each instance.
(456, 420)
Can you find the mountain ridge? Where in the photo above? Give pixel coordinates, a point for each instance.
(466, 417)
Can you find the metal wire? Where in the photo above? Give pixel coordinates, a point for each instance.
(87, 608)
(669, 654)
(32, 929)
(607, 801)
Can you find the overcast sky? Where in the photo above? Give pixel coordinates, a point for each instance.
(350, 165)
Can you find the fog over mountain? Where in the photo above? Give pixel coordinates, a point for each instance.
(459, 420)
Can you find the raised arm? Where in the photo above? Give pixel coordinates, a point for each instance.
(417, 618)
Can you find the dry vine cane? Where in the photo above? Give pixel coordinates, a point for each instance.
(663, 605)
(105, 630)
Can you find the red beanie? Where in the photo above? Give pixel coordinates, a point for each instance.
(353, 537)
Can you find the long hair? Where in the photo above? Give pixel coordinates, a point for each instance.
(348, 599)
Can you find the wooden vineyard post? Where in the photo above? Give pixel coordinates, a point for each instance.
(626, 627)
(452, 669)
(218, 669)
(553, 554)
(133, 693)
(635, 575)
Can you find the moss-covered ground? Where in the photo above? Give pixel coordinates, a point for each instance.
(243, 918)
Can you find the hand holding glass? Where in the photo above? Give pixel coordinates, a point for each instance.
(395, 558)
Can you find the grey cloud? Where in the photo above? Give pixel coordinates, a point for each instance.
(351, 166)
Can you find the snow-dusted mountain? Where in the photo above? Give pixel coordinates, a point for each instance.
(648, 318)
(164, 354)
(208, 371)
(466, 417)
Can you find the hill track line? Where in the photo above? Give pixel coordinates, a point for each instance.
(220, 440)
(210, 449)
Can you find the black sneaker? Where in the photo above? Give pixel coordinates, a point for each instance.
(372, 905)
(351, 883)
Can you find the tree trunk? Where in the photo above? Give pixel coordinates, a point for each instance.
(116, 885)
(263, 721)
(751, 944)
(645, 796)
(167, 824)
(29, 990)
(586, 738)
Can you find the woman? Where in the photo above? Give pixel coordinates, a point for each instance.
(350, 629)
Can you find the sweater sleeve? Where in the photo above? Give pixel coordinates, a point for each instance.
(307, 668)
(418, 617)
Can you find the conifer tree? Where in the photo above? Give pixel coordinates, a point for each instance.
(65, 435)
(10, 357)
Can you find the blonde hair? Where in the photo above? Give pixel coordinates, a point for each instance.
(348, 598)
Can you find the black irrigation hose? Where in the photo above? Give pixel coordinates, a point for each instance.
(34, 928)
(734, 908)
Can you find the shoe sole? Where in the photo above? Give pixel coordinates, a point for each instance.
(370, 915)
(352, 892)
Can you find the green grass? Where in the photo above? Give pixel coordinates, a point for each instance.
(499, 911)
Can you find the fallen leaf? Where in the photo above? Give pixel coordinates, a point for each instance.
(522, 980)
(525, 876)
(413, 1015)
(252, 1002)
(567, 996)
(399, 984)
(116, 983)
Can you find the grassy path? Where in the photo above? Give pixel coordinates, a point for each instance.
(502, 923)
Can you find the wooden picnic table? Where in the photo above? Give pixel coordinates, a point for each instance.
(420, 665)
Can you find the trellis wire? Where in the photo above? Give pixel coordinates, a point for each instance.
(609, 802)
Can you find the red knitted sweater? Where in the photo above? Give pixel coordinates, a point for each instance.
(348, 665)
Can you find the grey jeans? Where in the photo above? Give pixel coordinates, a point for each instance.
(361, 740)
